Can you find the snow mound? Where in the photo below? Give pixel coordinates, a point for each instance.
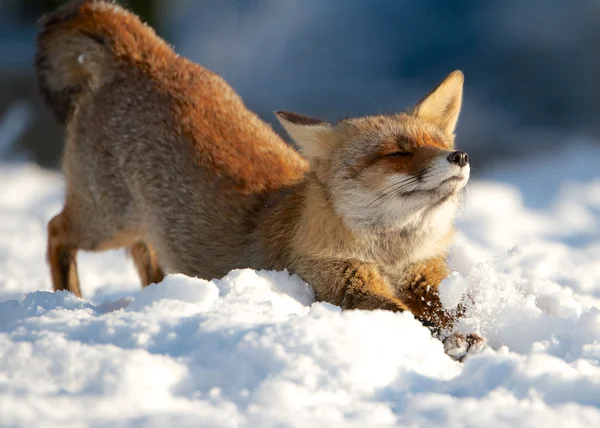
(254, 349)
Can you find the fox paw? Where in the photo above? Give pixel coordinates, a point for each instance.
(459, 345)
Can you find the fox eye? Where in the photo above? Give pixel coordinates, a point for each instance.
(395, 154)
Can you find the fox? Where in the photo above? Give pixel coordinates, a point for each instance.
(163, 158)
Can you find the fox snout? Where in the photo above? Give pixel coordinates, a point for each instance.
(459, 158)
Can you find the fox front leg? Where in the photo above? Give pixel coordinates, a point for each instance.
(418, 290)
(349, 284)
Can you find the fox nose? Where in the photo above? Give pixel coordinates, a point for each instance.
(459, 158)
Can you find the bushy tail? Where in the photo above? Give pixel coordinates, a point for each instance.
(82, 45)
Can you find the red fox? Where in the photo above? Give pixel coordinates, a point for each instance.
(163, 158)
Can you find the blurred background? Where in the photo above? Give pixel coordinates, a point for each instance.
(532, 66)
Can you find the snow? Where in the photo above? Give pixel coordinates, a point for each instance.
(253, 349)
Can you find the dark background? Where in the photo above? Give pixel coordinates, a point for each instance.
(532, 67)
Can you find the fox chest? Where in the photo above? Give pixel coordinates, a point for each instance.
(396, 258)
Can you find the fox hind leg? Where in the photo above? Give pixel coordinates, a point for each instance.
(62, 252)
(146, 263)
(67, 235)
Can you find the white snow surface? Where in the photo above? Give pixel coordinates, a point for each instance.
(254, 350)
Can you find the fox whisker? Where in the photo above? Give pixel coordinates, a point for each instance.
(393, 191)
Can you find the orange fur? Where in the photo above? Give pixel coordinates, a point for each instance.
(162, 157)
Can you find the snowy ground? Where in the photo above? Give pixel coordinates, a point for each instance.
(252, 350)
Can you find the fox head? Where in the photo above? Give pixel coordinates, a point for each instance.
(387, 172)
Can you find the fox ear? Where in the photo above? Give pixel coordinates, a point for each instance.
(442, 105)
(307, 132)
